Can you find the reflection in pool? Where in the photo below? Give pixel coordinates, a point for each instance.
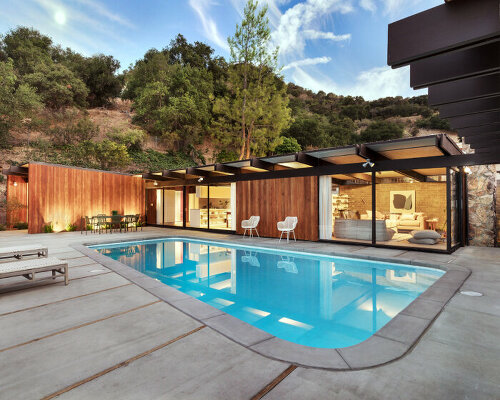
(314, 300)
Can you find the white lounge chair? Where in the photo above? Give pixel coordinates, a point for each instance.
(25, 250)
(29, 268)
(250, 225)
(288, 225)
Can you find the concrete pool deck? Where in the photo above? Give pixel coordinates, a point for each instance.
(104, 337)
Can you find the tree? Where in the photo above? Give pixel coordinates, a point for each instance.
(27, 48)
(16, 101)
(131, 138)
(288, 145)
(177, 105)
(99, 75)
(106, 155)
(381, 130)
(58, 86)
(257, 104)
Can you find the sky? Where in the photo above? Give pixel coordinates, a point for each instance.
(337, 46)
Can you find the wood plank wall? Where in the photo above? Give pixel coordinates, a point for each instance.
(62, 195)
(151, 206)
(17, 196)
(274, 199)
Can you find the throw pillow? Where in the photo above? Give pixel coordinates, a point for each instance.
(422, 241)
(407, 217)
(425, 234)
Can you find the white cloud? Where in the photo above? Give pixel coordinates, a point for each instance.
(289, 34)
(101, 10)
(307, 61)
(312, 34)
(202, 9)
(371, 84)
(368, 5)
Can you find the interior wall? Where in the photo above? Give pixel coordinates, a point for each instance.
(275, 199)
(62, 196)
(17, 200)
(430, 197)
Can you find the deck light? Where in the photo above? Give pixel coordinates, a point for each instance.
(155, 183)
(467, 170)
(368, 163)
(200, 179)
(15, 183)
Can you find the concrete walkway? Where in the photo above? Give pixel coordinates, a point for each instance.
(103, 337)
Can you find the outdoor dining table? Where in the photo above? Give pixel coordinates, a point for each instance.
(110, 220)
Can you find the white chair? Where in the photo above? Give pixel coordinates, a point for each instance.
(288, 225)
(250, 225)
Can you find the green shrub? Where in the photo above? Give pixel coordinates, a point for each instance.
(155, 161)
(2, 227)
(131, 138)
(21, 225)
(70, 128)
(226, 156)
(433, 122)
(288, 145)
(48, 228)
(70, 228)
(2, 178)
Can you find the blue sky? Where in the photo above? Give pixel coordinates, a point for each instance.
(337, 46)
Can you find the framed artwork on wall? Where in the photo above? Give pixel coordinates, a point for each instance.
(402, 201)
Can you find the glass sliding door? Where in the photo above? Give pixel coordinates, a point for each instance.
(351, 208)
(173, 206)
(411, 208)
(220, 207)
(197, 206)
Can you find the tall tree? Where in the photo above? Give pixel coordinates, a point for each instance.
(257, 104)
(17, 101)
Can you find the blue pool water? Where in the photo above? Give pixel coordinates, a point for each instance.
(314, 300)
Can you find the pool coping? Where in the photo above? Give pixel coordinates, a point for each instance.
(392, 342)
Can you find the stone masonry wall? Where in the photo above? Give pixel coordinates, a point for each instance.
(482, 187)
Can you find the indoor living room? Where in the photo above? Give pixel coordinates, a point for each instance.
(409, 212)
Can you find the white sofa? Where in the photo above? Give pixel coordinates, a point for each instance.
(361, 229)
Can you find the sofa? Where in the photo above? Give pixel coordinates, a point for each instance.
(361, 229)
(411, 222)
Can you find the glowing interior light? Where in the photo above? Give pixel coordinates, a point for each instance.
(256, 311)
(298, 324)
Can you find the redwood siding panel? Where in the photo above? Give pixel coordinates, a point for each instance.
(17, 194)
(62, 196)
(275, 199)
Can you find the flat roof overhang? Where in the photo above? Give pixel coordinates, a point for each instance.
(418, 158)
(454, 50)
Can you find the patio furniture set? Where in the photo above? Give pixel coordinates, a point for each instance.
(102, 223)
(13, 263)
(287, 226)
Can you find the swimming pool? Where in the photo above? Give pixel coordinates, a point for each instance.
(309, 299)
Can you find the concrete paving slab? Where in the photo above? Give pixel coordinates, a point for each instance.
(380, 252)
(405, 328)
(19, 327)
(168, 294)
(301, 355)
(432, 371)
(438, 293)
(422, 308)
(68, 255)
(75, 262)
(203, 365)
(237, 329)
(146, 282)
(196, 308)
(44, 367)
(458, 327)
(35, 296)
(379, 351)
(487, 304)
